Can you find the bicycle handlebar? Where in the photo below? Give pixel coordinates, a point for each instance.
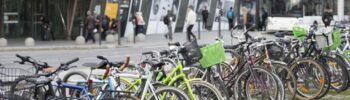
(72, 61)
(126, 63)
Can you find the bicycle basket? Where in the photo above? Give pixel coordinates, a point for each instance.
(10, 74)
(328, 42)
(299, 33)
(212, 54)
(336, 37)
(191, 52)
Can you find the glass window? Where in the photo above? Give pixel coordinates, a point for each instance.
(317, 7)
(288, 8)
(346, 7)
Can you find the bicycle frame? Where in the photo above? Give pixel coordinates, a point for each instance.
(171, 79)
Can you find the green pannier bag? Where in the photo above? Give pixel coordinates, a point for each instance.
(212, 54)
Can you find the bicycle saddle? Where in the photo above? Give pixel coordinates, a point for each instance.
(154, 63)
(92, 65)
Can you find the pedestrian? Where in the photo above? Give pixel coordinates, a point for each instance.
(167, 20)
(327, 16)
(90, 26)
(190, 21)
(139, 23)
(264, 16)
(205, 14)
(245, 17)
(114, 25)
(230, 16)
(46, 29)
(105, 26)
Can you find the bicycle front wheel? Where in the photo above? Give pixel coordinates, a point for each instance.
(168, 93)
(203, 90)
(311, 78)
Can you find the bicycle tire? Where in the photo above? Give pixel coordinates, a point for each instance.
(288, 78)
(323, 80)
(70, 74)
(176, 91)
(344, 74)
(31, 89)
(246, 94)
(236, 58)
(199, 83)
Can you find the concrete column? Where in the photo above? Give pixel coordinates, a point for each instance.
(341, 9)
(1, 19)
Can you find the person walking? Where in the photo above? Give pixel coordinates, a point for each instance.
(46, 29)
(205, 14)
(230, 16)
(168, 22)
(190, 21)
(139, 23)
(264, 16)
(327, 16)
(105, 26)
(90, 26)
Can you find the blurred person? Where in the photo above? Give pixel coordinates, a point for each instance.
(327, 16)
(168, 22)
(105, 26)
(114, 25)
(139, 23)
(230, 16)
(190, 21)
(245, 17)
(46, 29)
(90, 26)
(264, 16)
(205, 14)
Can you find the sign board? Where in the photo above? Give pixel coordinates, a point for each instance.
(111, 9)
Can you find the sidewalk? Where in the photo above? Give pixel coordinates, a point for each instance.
(151, 40)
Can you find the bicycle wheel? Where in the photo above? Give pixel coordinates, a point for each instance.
(168, 93)
(311, 78)
(337, 70)
(26, 90)
(233, 58)
(74, 77)
(256, 83)
(203, 90)
(287, 78)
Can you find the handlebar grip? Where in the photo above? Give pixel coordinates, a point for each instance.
(126, 63)
(72, 61)
(146, 53)
(174, 44)
(19, 56)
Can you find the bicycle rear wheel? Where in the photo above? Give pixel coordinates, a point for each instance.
(257, 83)
(169, 93)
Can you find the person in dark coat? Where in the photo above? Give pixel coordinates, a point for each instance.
(264, 16)
(327, 16)
(205, 14)
(46, 29)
